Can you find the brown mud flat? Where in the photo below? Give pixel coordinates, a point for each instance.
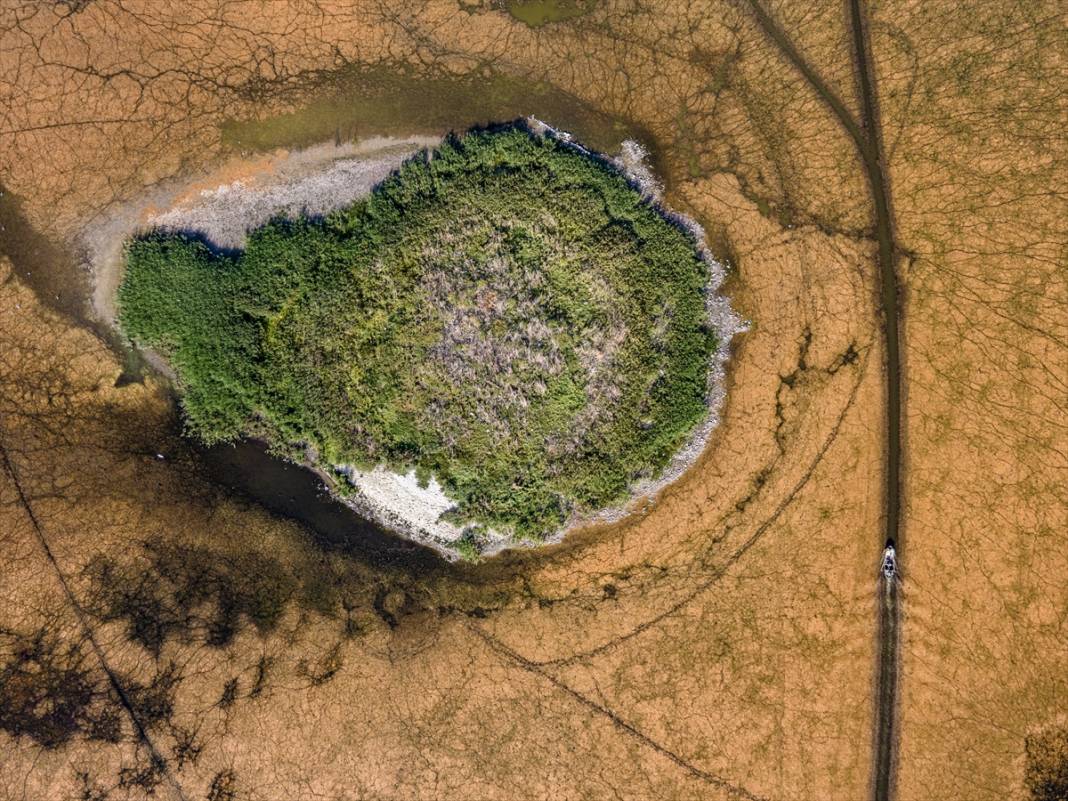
(865, 131)
(718, 646)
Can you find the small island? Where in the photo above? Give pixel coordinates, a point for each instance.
(506, 324)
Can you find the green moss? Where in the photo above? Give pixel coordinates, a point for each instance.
(357, 103)
(469, 546)
(536, 13)
(506, 314)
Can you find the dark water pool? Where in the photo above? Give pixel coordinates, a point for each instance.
(292, 491)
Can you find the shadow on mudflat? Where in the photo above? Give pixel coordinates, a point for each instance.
(1047, 765)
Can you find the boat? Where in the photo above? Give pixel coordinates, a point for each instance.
(889, 566)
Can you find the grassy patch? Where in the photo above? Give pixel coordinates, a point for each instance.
(505, 314)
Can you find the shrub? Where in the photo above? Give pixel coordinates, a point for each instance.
(505, 313)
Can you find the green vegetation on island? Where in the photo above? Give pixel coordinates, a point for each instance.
(506, 314)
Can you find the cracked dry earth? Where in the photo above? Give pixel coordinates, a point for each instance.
(162, 636)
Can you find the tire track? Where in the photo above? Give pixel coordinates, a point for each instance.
(507, 653)
(885, 739)
(867, 138)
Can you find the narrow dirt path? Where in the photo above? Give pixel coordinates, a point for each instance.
(889, 615)
(867, 138)
(884, 234)
(885, 735)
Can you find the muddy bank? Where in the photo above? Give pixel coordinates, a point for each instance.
(35, 256)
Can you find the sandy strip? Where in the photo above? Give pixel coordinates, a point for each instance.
(239, 196)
